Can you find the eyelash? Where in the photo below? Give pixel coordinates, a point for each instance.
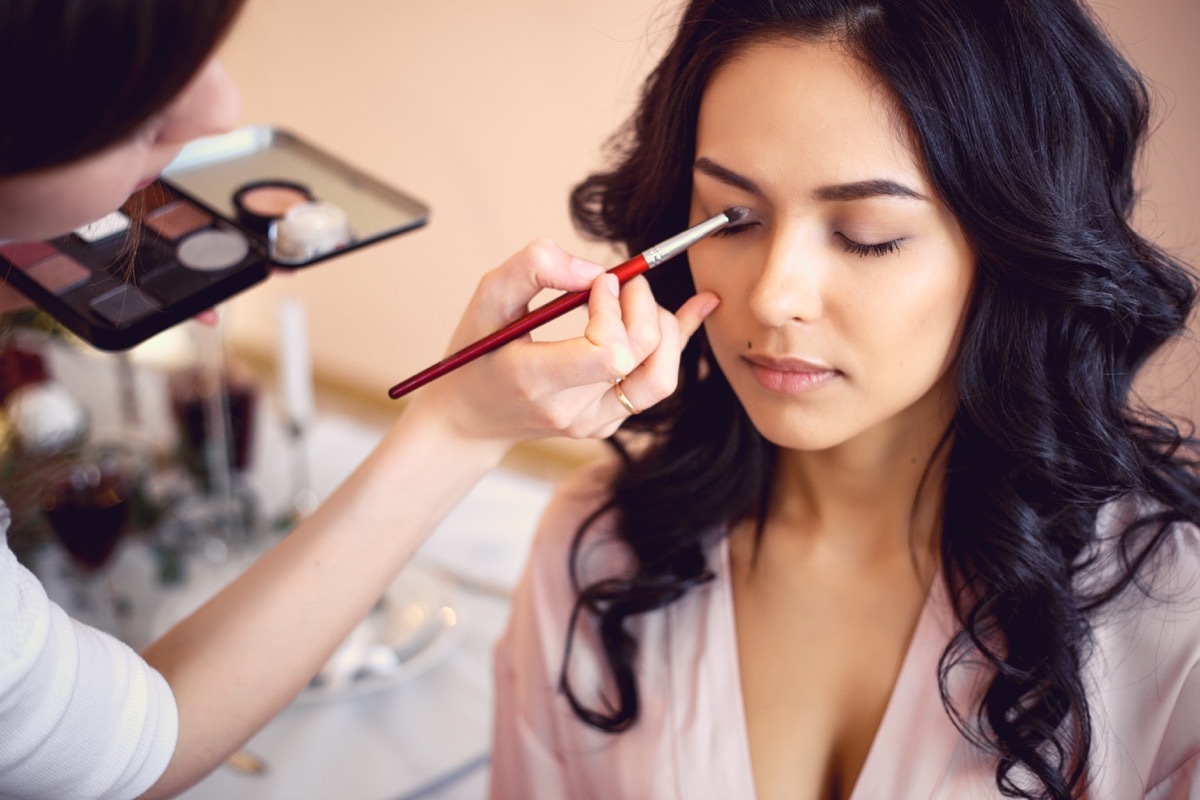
(730, 230)
(864, 250)
(849, 245)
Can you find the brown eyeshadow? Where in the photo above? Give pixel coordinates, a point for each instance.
(59, 273)
(177, 220)
(148, 200)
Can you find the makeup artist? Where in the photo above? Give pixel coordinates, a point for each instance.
(84, 123)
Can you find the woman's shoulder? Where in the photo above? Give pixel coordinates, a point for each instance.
(1159, 606)
(1131, 532)
(1145, 668)
(577, 511)
(579, 495)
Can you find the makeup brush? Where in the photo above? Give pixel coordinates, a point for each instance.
(651, 257)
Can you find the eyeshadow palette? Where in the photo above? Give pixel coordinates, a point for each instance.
(116, 289)
(228, 210)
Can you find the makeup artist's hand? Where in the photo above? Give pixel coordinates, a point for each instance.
(527, 389)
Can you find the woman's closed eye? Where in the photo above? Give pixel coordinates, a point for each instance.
(862, 249)
(736, 228)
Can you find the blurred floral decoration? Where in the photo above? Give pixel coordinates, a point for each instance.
(44, 435)
(24, 469)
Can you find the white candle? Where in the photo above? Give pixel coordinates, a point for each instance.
(295, 362)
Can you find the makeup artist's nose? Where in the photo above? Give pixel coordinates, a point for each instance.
(211, 103)
(788, 286)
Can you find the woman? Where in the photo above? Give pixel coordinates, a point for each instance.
(81, 716)
(903, 530)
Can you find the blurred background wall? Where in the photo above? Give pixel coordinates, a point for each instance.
(489, 112)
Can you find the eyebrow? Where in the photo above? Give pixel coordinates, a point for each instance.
(844, 192)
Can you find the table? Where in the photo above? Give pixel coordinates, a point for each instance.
(425, 737)
(428, 736)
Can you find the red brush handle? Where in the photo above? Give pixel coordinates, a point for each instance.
(514, 330)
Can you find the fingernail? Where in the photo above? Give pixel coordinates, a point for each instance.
(585, 269)
(613, 285)
(709, 306)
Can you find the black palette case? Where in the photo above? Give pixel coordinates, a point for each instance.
(225, 212)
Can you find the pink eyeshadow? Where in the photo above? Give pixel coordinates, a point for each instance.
(59, 273)
(22, 254)
(177, 220)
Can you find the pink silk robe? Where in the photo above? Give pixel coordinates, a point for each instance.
(690, 739)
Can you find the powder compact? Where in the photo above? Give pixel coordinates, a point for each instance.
(259, 203)
(227, 211)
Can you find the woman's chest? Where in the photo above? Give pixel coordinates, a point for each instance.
(819, 655)
(693, 739)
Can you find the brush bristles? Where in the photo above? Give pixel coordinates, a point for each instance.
(736, 214)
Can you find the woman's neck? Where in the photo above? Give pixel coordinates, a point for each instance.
(869, 495)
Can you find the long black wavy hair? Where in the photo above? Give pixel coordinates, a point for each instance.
(1029, 122)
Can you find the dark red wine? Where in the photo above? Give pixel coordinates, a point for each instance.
(189, 405)
(88, 506)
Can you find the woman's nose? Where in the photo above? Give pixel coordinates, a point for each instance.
(789, 285)
(210, 103)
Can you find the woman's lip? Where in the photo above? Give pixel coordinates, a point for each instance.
(787, 364)
(789, 375)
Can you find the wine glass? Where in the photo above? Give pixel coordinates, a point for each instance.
(87, 502)
(214, 411)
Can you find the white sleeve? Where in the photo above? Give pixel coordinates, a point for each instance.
(81, 714)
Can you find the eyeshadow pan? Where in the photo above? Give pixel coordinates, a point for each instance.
(124, 305)
(174, 283)
(153, 197)
(22, 254)
(212, 250)
(59, 273)
(106, 226)
(177, 220)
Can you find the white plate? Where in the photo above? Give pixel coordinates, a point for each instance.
(417, 624)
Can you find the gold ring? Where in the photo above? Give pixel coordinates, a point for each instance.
(620, 393)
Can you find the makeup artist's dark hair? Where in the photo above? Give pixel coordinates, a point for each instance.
(79, 75)
(1029, 122)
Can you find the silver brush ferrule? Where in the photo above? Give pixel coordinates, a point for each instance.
(677, 244)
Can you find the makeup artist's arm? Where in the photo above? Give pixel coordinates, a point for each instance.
(244, 655)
